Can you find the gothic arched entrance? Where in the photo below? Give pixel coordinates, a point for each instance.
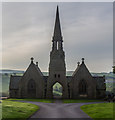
(31, 88)
(57, 90)
(83, 88)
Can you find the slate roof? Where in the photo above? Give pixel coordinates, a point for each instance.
(81, 66)
(100, 82)
(45, 78)
(32, 67)
(76, 70)
(14, 82)
(69, 78)
(39, 71)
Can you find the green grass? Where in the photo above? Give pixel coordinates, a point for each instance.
(100, 110)
(57, 93)
(34, 100)
(0, 110)
(79, 100)
(22, 111)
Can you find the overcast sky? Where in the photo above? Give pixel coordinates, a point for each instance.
(86, 28)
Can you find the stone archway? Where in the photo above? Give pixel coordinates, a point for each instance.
(31, 88)
(82, 88)
(55, 78)
(57, 90)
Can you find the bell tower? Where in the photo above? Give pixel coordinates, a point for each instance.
(57, 67)
(57, 55)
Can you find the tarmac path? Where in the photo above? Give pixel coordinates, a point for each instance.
(59, 110)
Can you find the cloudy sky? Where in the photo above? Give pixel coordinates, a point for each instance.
(86, 28)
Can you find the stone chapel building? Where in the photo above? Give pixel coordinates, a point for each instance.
(33, 84)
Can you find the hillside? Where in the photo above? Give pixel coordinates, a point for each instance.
(10, 71)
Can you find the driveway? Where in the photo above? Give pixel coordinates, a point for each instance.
(60, 110)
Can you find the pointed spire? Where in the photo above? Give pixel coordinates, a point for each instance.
(57, 29)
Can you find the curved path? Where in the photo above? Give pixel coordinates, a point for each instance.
(60, 110)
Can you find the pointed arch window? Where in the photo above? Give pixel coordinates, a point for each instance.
(82, 87)
(31, 88)
(55, 75)
(31, 84)
(58, 75)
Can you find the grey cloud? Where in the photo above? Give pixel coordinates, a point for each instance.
(86, 27)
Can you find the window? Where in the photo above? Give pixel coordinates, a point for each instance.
(82, 87)
(58, 75)
(55, 75)
(15, 93)
(32, 86)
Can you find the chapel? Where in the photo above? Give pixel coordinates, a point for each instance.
(33, 84)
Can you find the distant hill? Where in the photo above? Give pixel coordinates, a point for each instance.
(11, 71)
(68, 73)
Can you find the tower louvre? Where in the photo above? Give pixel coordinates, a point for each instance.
(57, 66)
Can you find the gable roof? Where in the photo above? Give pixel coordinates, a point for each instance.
(82, 68)
(75, 72)
(38, 70)
(33, 69)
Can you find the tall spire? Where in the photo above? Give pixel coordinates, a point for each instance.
(57, 29)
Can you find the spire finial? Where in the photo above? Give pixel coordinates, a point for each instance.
(36, 63)
(57, 11)
(83, 60)
(78, 63)
(57, 7)
(32, 59)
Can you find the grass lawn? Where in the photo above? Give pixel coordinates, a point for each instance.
(79, 100)
(35, 100)
(100, 110)
(22, 111)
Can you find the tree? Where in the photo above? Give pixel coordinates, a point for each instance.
(6, 74)
(114, 69)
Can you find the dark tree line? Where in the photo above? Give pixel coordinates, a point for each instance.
(114, 69)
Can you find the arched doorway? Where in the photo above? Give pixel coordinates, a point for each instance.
(57, 91)
(82, 88)
(31, 89)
